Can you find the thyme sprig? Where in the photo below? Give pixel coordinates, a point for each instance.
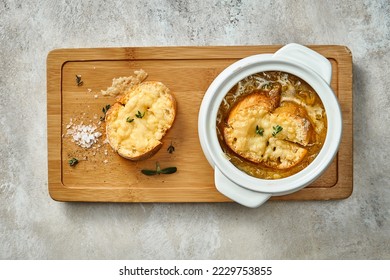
(171, 148)
(259, 130)
(140, 115)
(277, 129)
(73, 161)
(104, 110)
(79, 82)
(158, 170)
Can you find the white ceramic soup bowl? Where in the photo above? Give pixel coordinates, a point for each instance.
(295, 59)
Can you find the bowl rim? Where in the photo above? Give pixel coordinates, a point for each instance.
(217, 91)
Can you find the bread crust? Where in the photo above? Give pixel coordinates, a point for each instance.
(138, 121)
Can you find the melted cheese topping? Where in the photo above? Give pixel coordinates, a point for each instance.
(277, 150)
(138, 124)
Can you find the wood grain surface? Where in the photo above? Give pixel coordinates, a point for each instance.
(103, 176)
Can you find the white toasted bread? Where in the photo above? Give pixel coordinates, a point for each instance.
(263, 131)
(137, 122)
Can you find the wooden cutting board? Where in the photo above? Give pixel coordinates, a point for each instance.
(101, 175)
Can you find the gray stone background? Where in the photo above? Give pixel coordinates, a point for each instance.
(32, 226)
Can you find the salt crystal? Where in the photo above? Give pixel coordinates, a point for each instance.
(84, 135)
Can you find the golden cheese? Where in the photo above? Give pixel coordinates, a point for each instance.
(136, 124)
(279, 150)
(262, 136)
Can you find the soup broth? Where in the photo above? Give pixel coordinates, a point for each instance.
(271, 125)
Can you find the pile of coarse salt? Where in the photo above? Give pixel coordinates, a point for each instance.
(83, 135)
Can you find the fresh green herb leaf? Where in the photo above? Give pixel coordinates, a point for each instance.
(140, 115)
(171, 149)
(168, 170)
(259, 130)
(104, 110)
(277, 129)
(158, 171)
(149, 172)
(73, 161)
(129, 120)
(79, 82)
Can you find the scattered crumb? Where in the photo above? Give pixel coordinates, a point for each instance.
(121, 84)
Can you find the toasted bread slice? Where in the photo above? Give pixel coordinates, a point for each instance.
(268, 99)
(296, 125)
(137, 122)
(251, 132)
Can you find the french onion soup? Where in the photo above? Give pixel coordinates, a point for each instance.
(271, 125)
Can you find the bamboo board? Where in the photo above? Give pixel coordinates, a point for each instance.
(103, 176)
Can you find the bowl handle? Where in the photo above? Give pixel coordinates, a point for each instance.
(308, 58)
(237, 193)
